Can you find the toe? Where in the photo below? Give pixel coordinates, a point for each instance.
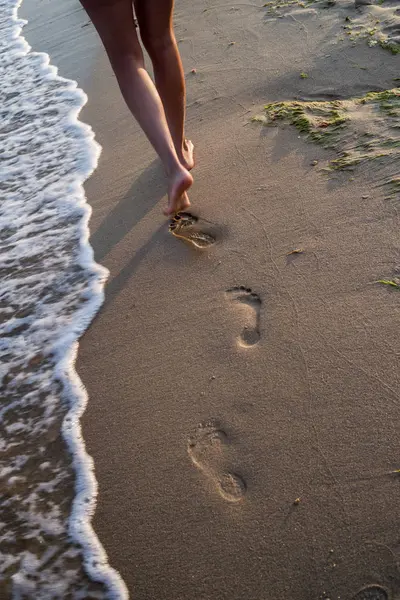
(168, 212)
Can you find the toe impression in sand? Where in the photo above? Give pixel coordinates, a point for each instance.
(207, 450)
(251, 332)
(191, 229)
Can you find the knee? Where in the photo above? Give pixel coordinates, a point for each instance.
(122, 52)
(157, 45)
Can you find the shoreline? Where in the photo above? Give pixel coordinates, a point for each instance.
(41, 389)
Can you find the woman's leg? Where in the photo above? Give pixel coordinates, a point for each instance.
(114, 22)
(156, 30)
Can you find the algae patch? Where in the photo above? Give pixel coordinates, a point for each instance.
(378, 28)
(320, 121)
(277, 8)
(359, 129)
(376, 25)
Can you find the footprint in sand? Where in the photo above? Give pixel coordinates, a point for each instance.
(207, 449)
(251, 331)
(372, 592)
(194, 230)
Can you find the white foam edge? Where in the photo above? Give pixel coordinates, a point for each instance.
(84, 503)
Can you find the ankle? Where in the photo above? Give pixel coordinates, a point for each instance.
(174, 169)
(185, 154)
(172, 163)
(181, 153)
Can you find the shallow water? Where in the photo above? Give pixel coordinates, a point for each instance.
(50, 290)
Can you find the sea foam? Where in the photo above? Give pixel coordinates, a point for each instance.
(50, 290)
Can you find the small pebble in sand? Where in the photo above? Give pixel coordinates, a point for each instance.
(365, 197)
(231, 43)
(313, 163)
(194, 71)
(297, 501)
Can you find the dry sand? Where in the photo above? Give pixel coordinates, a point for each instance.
(230, 471)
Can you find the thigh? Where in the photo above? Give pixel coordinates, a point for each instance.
(114, 21)
(154, 18)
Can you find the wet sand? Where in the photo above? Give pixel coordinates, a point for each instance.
(243, 412)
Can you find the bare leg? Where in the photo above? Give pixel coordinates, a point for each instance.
(114, 22)
(156, 30)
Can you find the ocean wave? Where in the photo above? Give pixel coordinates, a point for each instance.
(51, 289)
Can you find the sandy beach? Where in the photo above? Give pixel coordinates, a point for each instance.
(243, 398)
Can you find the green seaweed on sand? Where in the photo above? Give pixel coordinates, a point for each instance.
(395, 182)
(367, 27)
(320, 121)
(358, 129)
(393, 47)
(277, 7)
(387, 100)
(363, 26)
(391, 143)
(394, 187)
(395, 283)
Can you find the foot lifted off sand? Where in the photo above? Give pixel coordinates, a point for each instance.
(251, 331)
(206, 448)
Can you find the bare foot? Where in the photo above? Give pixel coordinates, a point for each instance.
(178, 183)
(186, 155)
